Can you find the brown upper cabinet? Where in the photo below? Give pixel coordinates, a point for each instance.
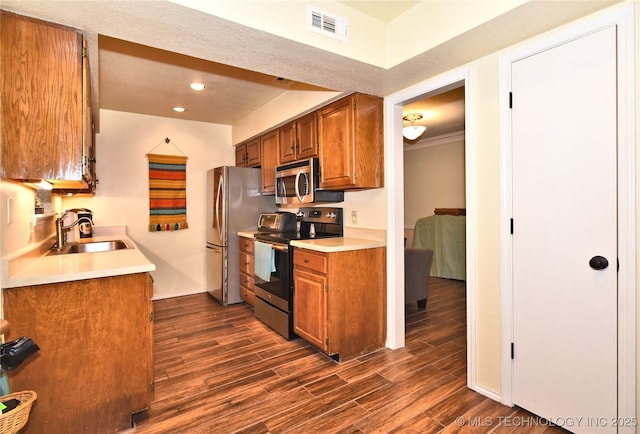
(346, 135)
(350, 138)
(46, 124)
(299, 139)
(269, 145)
(248, 153)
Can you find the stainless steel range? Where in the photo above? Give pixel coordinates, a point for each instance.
(274, 260)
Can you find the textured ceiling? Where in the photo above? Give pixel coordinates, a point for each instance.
(140, 79)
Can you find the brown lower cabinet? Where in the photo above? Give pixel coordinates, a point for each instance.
(246, 271)
(340, 300)
(95, 364)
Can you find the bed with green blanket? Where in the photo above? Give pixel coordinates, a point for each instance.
(446, 235)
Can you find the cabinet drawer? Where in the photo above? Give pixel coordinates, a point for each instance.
(247, 281)
(248, 296)
(311, 260)
(246, 245)
(246, 263)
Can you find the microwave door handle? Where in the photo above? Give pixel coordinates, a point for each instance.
(282, 186)
(300, 198)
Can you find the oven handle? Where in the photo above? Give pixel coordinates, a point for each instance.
(276, 246)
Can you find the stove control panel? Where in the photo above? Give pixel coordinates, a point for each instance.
(320, 215)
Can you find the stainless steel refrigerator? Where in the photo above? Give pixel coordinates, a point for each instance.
(234, 202)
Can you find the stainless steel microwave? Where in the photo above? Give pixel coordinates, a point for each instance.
(298, 183)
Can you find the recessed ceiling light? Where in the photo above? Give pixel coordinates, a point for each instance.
(178, 109)
(197, 86)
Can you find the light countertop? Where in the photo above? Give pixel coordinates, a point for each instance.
(247, 234)
(36, 268)
(343, 244)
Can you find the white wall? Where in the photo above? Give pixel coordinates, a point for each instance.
(285, 106)
(433, 178)
(17, 219)
(422, 27)
(122, 196)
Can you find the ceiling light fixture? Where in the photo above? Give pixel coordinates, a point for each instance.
(412, 132)
(197, 86)
(178, 109)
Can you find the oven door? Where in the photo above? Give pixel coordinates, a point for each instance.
(278, 290)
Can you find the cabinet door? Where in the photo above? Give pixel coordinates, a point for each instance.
(287, 143)
(246, 263)
(41, 99)
(336, 137)
(241, 155)
(246, 245)
(307, 136)
(269, 143)
(253, 153)
(310, 308)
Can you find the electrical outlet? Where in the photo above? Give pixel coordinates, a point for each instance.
(354, 217)
(9, 211)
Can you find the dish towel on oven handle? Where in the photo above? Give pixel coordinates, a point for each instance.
(264, 262)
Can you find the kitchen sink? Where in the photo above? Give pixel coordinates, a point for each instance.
(92, 247)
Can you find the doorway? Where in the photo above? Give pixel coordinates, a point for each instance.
(395, 210)
(435, 223)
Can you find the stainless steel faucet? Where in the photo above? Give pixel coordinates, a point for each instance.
(61, 230)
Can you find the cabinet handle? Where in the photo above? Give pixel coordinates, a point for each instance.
(306, 261)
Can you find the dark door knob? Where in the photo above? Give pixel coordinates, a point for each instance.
(598, 263)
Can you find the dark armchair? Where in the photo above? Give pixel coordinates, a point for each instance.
(417, 266)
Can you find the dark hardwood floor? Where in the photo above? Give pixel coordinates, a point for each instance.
(219, 370)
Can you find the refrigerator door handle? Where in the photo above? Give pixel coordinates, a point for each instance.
(217, 217)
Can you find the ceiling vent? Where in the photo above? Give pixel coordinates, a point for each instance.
(327, 24)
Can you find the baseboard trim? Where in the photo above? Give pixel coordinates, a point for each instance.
(176, 294)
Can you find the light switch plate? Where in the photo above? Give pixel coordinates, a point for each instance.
(9, 206)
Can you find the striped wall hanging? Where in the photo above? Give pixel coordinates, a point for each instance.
(167, 192)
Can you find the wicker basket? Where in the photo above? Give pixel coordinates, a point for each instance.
(13, 421)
